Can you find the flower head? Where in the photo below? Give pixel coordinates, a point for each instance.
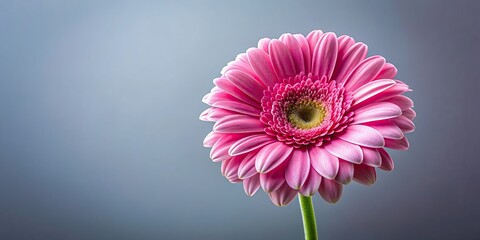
(306, 114)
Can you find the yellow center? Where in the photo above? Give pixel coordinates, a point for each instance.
(306, 114)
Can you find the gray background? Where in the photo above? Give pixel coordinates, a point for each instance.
(100, 137)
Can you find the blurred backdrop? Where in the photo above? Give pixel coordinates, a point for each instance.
(100, 137)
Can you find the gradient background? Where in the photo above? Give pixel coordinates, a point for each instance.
(100, 137)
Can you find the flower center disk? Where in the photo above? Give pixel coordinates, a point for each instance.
(306, 114)
(305, 110)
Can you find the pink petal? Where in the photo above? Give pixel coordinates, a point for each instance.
(409, 113)
(215, 89)
(397, 89)
(260, 62)
(362, 135)
(263, 44)
(400, 144)
(330, 190)
(345, 150)
(205, 98)
(325, 55)
(371, 89)
(272, 156)
(249, 143)
(298, 167)
(313, 38)
(219, 151)
(295, 51)
(228, 87)
(283, 196)
(246, 169)
(344, 44)
(311, 184)
(387, 162)
(404, 123)
(211, 139)
(240, 63)
(402, 101)
(365, 72)
(349, 61)
(364, 174)
(388, 72)
(323, 162)
(387, 129)
(230, 65)
(231, 170)
(237, 106)
(345, 172)
(246, 84)
(238, 124)
(273, 180)
(384, 95)
(371, 157)
(219, 95)
(302, 41)
(224, 165)
(400, 83)
(204, 114)
(251, 185)
(281, 59)
(376, 111)
(216, 113)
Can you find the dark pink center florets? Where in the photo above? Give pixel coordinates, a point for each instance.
(305, 110)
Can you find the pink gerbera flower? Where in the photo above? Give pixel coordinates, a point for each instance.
(306, 114)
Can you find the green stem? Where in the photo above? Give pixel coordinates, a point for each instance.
(308, 216)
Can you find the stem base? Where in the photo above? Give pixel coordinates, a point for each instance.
(308, 217)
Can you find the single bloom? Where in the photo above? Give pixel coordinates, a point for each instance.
(306, 114)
